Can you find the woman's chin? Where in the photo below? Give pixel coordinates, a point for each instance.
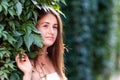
(48, 44)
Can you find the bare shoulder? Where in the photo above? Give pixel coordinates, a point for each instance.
(65, 78)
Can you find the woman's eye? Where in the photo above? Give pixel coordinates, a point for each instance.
(55, 27)
(45, 26)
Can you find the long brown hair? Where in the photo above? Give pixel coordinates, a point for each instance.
(56, 51)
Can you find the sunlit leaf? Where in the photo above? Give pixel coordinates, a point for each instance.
(11, 12)
(63, 1)
(5, 5)
(36, 4)
(1, 72)
(37, 31)
(4, 34)
(18, 8)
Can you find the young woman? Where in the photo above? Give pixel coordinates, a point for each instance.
(49, 64)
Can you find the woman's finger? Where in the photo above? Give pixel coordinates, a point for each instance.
(17, 58)
(21, 58)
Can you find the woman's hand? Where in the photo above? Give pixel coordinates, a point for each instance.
(24, 64)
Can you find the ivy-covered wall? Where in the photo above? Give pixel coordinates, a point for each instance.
(87, 34)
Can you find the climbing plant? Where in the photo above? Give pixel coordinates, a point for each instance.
(17, 32)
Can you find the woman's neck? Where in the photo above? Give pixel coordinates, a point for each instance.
(42, 55)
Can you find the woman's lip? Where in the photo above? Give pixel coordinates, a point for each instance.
(50, 37)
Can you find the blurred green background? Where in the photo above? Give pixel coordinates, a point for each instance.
(92, 37)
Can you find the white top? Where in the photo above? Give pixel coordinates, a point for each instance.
(52, 76)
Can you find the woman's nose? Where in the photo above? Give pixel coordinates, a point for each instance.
(51, 30)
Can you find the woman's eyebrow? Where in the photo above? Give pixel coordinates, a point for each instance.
(45, 22)
(42, 23)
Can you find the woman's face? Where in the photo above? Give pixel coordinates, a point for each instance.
(48, 26)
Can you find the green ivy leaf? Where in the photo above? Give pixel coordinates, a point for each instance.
(32, 54)
(4, 52)
(35, 15)
(36, 31)
(0, 8)
(10, 39)
(11, 66)
(4, 34)
(4, 3)
(22, 1)
(37, 40)
(18, 8)
(17, 33)
(36, 4)
(12, 24)
(1, 29)
(11, 12)
(28, 39)
(5, 65)
(27, 27)
(29, 15)
(63, 1)
(14, 76)
(18, 43)
(61, 13)
(3, 74)
(19, 39)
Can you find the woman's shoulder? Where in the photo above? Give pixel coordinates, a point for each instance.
(65, 78)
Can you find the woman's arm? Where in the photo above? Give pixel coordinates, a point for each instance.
(27, 76)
